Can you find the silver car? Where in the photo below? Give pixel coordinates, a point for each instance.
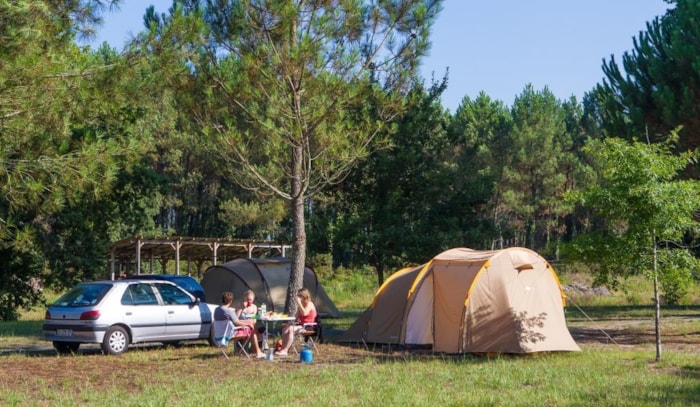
(119, 313)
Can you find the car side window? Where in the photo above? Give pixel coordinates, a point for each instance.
(173, 295)
(139, 294)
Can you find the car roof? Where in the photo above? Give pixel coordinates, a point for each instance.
(127, 281)
(165, 277)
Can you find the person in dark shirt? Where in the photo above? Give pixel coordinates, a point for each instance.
(225, 312)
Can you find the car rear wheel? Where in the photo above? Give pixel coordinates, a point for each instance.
(116, 341)
(66, 347)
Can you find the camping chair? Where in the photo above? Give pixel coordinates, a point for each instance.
(311, 332)
(225, 332)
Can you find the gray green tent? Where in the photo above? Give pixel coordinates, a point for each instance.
(268, 278)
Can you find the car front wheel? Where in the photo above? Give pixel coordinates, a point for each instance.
(116, 341)
(66, 347)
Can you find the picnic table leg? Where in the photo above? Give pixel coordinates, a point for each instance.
(265, 341)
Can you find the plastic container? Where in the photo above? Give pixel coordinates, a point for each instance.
(306, 355)
(263, 310)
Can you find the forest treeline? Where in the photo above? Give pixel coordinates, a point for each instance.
(180, 134)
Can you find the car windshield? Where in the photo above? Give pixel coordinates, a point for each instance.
(84, 295)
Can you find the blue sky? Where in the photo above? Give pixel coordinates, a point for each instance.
(497, 46)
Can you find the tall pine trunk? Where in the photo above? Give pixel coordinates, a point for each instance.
(296, 277)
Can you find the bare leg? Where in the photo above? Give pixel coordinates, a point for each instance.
(256, 347)
(287, 337)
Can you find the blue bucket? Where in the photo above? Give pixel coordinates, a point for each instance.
(306, 356)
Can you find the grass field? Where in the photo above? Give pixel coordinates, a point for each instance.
(616, 367)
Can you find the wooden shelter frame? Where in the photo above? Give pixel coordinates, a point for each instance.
(131, 252)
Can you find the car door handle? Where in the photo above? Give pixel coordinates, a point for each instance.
(171, 312)
(128, 313)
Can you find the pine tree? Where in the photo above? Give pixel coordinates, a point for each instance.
(298, 91)
(657, 89)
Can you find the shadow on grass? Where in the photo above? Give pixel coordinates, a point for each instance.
(47, 350)
(682, 394)
(692, 372)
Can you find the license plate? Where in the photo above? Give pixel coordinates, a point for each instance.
(64, 332)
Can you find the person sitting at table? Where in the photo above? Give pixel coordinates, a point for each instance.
(248, 308)
(306, 313)
(224, 312)
(248, 311)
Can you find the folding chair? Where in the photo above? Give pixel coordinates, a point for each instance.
(311, 332)
(225, 332)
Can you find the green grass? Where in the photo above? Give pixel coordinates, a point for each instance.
(352, 290)
(634, 290)
(196, 374)
(199, 376)
(21, 334)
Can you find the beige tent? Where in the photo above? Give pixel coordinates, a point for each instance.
(268, 278)
(504, 301)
